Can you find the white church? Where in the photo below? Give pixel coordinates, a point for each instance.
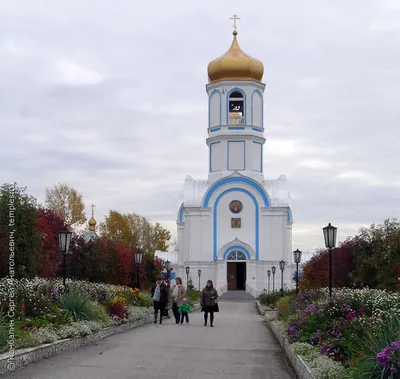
(235, 225)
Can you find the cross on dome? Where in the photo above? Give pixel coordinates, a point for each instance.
(234, 18)
(92, 221)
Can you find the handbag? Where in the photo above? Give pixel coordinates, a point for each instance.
(165, 312)
(216, 307)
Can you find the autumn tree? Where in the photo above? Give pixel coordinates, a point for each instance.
(117, 228)
(18, 215)
(371, 258)
(49, 224)
(67, 203)
(162, 237)
(150, 237)
(134, 231)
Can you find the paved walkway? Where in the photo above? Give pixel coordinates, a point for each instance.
(239, 346)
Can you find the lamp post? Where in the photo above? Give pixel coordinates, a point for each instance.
(138, 261)
(199, 274)
(187, 268)
(168, 268)
(282, 267)
(64, 239)
(297, 259)
(273, 269)
(269, 278)
(330, 233)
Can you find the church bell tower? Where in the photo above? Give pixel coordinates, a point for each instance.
(235, 114)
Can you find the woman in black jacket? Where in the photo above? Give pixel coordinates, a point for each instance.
(208, 302)
(159, 293)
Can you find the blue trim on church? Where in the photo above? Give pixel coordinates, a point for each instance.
(237, 247)
(180, 213)
(289, 218)
(261, 156)
(236, 179)
(257, 219)
(262, 107)
(209, 107)
(210, 148)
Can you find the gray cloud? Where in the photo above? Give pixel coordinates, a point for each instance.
(111, 98)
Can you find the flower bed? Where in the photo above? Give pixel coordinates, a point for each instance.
(354, 334)
(40, 311)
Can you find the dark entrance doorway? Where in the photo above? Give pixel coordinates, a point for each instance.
(236, 275)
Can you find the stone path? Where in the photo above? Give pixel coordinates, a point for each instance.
(239, 346)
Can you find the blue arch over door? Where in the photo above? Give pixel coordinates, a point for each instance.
(240, 248)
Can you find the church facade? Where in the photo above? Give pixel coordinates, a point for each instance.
(235, 225)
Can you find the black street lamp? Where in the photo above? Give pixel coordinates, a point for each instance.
(282, 267)
(273, 269)
(297, 259)
(269, 278)
(330, 233)
(168, 268)
(138, 261)
(64, 239)
(199, 274)
(187, 268)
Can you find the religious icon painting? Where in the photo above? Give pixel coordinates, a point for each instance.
(235, 206)
(236, 222)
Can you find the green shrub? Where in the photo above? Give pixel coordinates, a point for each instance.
(4, 330)
(58, 316)
(193, 296)
(269, 299)
(284, 307)
(81, 307)
(145, 300)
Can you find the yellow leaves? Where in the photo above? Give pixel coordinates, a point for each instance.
(133, 230)
(67, 203)
(118, 300)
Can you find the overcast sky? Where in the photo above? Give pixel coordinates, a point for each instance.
(109, 96)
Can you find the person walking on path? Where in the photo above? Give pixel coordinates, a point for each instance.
(178, 294)
(159, 293)
(208, 302)
(184, 310)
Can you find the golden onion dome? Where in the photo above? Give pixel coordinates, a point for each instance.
(235, 65)
(92, 223)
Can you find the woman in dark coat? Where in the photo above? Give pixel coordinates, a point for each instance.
(208, 302)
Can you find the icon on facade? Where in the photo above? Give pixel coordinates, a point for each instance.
(236, 222)
(235, 206)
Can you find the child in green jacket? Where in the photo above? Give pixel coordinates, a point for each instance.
(184, 310)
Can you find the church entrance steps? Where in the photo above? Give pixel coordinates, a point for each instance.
(236, 295)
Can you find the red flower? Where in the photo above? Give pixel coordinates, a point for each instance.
(22, 308)
(361, 310)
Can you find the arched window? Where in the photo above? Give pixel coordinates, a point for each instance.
(236, 108)
(236, 255)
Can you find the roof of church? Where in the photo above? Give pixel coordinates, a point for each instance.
(277, 190)
(235, 64)
(91, 234)
(171, 256)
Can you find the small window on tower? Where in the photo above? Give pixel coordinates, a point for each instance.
(236, 108)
